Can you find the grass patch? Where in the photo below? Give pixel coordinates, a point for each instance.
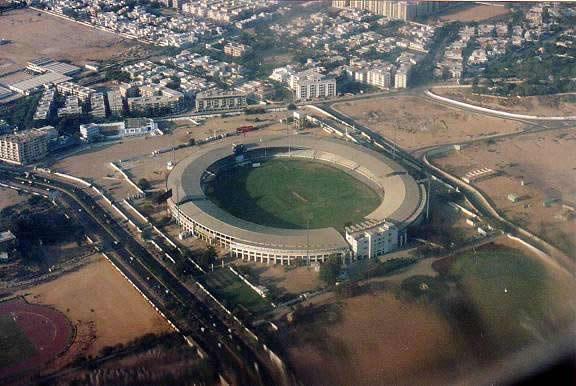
(289, 193)
(425, 287)
(234, 293)
(14, 346)
(508, 290)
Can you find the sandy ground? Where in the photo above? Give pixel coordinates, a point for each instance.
(136, 152)
(414, 123)
(532, 105)
(292, 281)
(9, 197)
(478, 13)
(98, 295)
(380, 340)
(33, 34)
(547, 165)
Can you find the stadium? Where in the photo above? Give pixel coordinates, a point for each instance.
(286, 217)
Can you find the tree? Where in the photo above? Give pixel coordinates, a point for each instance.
(191, 142)
(330, 270)
(208, 257)
(144, 184)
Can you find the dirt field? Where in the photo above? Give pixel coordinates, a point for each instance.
(9, 197)
(97, 296)
(379, 340)
(33, 34)
(533, 105)
(414, 123)
(478, 13)
(136, 152)
(546, 164)
(289, 281)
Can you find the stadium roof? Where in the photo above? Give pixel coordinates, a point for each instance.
(401, 196)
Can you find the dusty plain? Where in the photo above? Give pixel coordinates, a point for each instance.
(105, 308)
(546, 164)
(374, 339)
(136, 153)
(546, 106)
(33, 34)
(9, 197)
(477, 13)
(414, 122)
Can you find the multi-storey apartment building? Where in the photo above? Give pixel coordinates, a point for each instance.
(69, 88)
(236, 49)
(115, 102)
(218, 100)
(26, 146)
(310, 84)
(397, 10)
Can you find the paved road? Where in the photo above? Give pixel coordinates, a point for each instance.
(477, 198)
(203, 322)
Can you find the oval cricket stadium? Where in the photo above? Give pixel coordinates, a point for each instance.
(299, 197)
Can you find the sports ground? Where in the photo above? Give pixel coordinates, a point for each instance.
(236, 294)
(30, 336)
(291, 193)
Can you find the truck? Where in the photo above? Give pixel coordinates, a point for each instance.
(245, 129)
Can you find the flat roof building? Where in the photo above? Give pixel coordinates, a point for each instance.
(219, 100)
(39, 82)
(44, 65)
(310, 84)
(45, 105)
(97, 105)
(4, 92)
(115, 102)
(70, 88)
(24, 147)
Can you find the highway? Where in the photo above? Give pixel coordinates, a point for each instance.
(419, 163)
(236, 357)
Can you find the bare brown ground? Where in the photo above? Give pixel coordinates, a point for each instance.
(546, 106)
(545, 162)
(293, 281)
(136, 152)
(98, 296)
(9, 197)
(478, 13)
(379, 341)
(414, 123)
(33, 34)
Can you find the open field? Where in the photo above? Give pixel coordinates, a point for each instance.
(94, 163)
(33, 34)
(234, 293)
(477, 13)
(496, 281)
(527, 158)
(441, 321)
(292, 194)
(9, 197)
(545, 105)
(373, 339)
(291, 281)
(99, 297)
(414, 122)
